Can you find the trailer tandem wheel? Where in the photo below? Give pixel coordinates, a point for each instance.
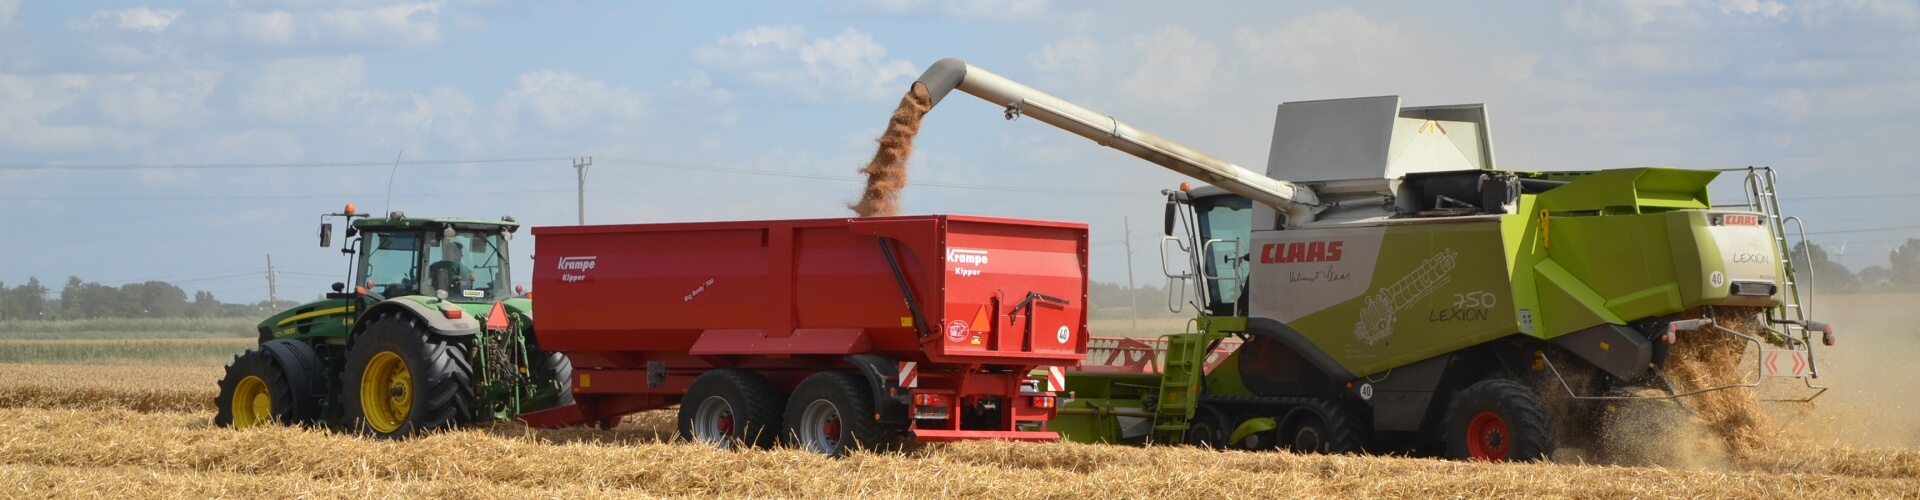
(731, 406)
(831, 413)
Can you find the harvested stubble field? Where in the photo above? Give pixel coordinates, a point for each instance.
(144, 430)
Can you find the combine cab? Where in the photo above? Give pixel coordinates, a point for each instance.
(432, 336)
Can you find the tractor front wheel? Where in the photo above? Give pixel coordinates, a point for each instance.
(402, 380)
(278, 383)
(1498, 421)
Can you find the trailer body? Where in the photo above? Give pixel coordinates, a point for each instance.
(948, 318)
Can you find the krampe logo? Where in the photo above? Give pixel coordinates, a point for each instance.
(963, 256)
(577, 263)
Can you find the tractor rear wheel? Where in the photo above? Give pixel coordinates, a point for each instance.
(1497, 421)
(403, 380)
(1323, 427)
(278, 383)
(830, 414)
(731, 406)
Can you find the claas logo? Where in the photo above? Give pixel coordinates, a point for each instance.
(1305, 251)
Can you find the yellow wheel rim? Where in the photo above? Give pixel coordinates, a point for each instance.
(386, 392)
(252, 405)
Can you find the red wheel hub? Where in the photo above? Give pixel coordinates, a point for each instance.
(831, 428)
(1487, 437)
(724, 424)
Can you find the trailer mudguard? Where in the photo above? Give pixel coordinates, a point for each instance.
(879, 370)
(440, 323)
(1621, 351)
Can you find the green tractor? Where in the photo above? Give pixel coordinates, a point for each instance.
(434, 336)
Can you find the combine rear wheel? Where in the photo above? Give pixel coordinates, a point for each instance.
(1497, 421)
(277, 383)
(402, 380)
(831, 413)
(1323, 427)
(731, 406)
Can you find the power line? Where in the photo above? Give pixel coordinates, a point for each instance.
(842, 178)
(207, 166)
(269, 197)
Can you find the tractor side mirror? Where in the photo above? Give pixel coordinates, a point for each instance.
(339, 287)
(326, 234)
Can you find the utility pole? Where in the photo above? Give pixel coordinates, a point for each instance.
(580, 171)
(1133, 304)
(273, 295)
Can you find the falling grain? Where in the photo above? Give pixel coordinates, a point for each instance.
(887, 172)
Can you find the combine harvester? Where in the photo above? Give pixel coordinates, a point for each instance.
(1401, 290)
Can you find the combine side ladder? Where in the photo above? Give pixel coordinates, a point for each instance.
(1796, 302)
(1185, 363)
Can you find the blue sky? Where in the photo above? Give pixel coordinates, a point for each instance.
(748, 110)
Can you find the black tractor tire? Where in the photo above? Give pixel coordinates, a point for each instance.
(731, 406)
(550, 369)
(1210, 428)
(831, 413)
(1496, 421)
(402, 380)
(281, 382)
(1323, 427)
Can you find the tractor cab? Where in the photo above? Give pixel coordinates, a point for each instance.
(455, 259)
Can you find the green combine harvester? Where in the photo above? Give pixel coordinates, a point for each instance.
(435, 335)
(1401, 292)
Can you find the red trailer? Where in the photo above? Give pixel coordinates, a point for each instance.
(825, 333)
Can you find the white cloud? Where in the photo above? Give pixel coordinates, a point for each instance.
(406, 25)
(314, 90)
(1175, 66)
(782, 58)
(1753, 7)
(989, 10)
(563, 100)
(7, 10)
(134, 19)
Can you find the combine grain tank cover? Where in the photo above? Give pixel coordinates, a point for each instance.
(1374, 138)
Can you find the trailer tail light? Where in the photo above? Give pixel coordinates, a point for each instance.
(929, 406)
(1041, 401)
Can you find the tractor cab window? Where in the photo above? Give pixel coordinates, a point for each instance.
(1228, 218)
(470, 266)
(388, 268)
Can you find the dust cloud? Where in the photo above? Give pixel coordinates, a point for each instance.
(887, 172)
(1870, 404)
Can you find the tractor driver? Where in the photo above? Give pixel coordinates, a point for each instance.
(449, 273)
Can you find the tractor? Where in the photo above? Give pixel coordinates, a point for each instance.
(433, 335)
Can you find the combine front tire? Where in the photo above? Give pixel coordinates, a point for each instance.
(402, 380)
(1497, 421)
(729, 405)
(277, 383)
(831, 413)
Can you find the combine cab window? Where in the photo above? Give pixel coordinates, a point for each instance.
(471, 266)
(1228, 218)
(389, 266)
